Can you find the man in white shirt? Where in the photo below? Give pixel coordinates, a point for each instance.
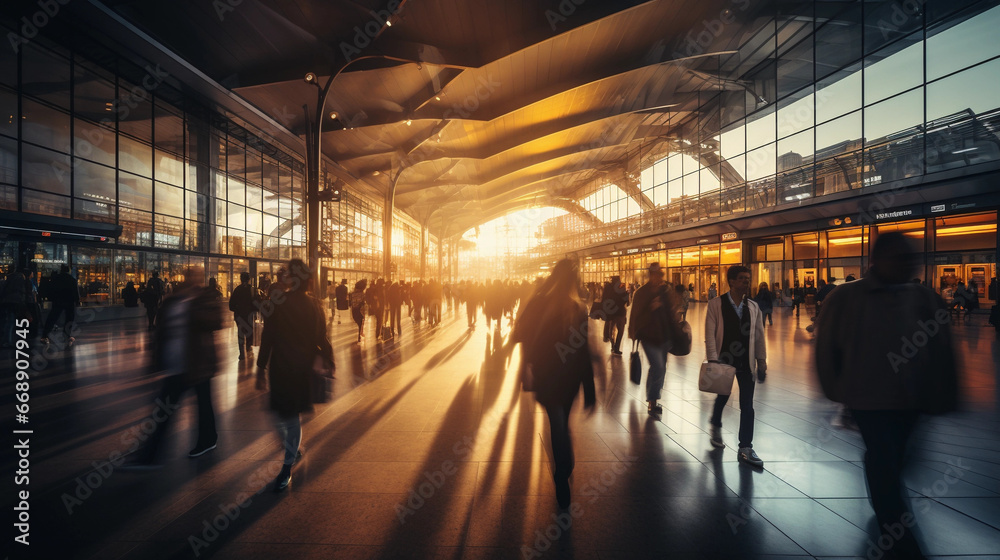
(734, 335)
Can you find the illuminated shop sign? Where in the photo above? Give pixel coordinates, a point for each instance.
(730, 236)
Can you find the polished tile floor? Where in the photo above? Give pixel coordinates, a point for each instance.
(429, 450)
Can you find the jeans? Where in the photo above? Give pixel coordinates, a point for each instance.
(657, 356)
(745, 381)
(244, 333)
(886, 433)
(291, 435)
(618, 323)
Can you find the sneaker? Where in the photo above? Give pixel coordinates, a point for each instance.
(749, 456)
(716, 433)
(616, 352)
(283, 479)
(200, 450)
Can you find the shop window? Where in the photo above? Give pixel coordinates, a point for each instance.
(913, 229)
(844, 242)
(806, 246)
(964, 233)
(732, 253)
(691, 256)
(93, 275)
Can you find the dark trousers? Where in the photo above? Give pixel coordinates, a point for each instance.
(562, 444)
(57, 310)
(166, 408)
(886, 433)
(745, 381)
(618, 323)
(151, 313)
(395, 319)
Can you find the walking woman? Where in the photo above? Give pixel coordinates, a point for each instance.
(294, 335)
(556, 362)
(358, 305)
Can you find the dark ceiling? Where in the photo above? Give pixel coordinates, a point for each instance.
(467, 110)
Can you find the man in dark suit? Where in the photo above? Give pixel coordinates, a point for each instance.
(241, 303)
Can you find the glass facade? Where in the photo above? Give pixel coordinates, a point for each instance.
(806, 109)
(111, 143)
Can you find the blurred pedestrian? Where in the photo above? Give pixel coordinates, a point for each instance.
(184, 349)
(65, 295)
(294, 338)
(558, 361)
(884, 350)
(652, 307)
(241, 303)
(765, 301)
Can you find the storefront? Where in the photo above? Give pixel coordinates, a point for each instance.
(956, 247)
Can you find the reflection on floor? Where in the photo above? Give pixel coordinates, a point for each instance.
(429, 450)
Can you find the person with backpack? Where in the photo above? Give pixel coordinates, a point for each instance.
(557, 362)
(652, 306)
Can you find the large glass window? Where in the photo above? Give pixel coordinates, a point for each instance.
(896, 68)
(966, 232)
(45, 74)
(952, 46)
(45, 126)
(45, 170)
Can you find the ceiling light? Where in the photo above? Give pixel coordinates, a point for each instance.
(310, 78)
(437, 97)
(408, 122)
(388, 22)
(375, 173)
(965, 150)
(333, 115)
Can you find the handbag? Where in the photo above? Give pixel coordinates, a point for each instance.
(716, 378)
(635, 364)
(680, 339)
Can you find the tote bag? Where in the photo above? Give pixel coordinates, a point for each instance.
(716, 378)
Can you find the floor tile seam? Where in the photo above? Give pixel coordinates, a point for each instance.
(928, 464)
(775, 526)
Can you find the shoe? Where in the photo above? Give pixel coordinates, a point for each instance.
(563, 493)
(298, 456)
(749, 456)
(655, 408)
(283, 479)
(241, 357)
(616, 352)
(716, 433)
(45, 340)
(200, 450)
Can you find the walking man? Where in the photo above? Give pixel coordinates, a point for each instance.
(646, 325)
(343, 300)
(870, 357)
(65, 296)
(241, 303)
(734, 335)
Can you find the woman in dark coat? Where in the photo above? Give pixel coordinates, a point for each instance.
(294, 335)
(552, 331)
(765, 300)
